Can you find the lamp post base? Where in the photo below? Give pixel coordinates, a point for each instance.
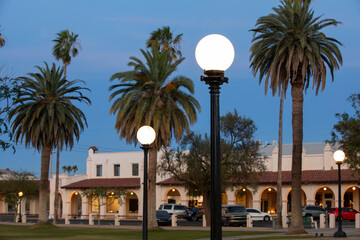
(340, 233)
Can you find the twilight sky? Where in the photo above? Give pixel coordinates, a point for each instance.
(112, 31)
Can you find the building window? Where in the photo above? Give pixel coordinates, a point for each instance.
(116, 170)
(98, 170)
(135, 169)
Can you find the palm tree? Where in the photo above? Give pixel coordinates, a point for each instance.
(162, 39)
(66, 47)
(74, 169)
(45, 117)
(146, 96)
(289, 47)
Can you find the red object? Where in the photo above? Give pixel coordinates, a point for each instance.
(346, 213)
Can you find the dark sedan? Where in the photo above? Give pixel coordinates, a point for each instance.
(163, 218)
(194, 213)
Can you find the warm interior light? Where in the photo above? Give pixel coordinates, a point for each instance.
(214, 52)
(325, 188)
(269, 189)
(244, 189)
(20, 194)
(339, 156)
(146, 135)
(173, 189)
(131, 193)
(76, 193)
(353, 188)
(112, 193)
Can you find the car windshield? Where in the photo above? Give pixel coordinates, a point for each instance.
(236, 209)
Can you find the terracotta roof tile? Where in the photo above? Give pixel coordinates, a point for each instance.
(105, 182)
(308, 177)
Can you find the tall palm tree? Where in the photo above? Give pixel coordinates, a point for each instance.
(44, 117)
(163, 39)
(289, 47)
(66, 47)
(147, 96)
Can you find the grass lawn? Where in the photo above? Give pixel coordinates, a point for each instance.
(10, 232)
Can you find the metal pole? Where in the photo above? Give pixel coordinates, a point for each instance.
(20, 210)
(340, 232)
(145, 194)
(215, 79)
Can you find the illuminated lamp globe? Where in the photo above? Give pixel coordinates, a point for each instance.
(214, 52)
(339, 156)
(20, 194)
(146, 135)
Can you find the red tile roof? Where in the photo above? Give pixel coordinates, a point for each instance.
(105, 182)
(308, 177)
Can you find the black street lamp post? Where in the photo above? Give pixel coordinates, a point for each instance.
(215, 53)
(20, 194)
(146, 136)
(339, 157)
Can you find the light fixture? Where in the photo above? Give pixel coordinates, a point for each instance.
(173, 189)
(269, 189)
(20, 194)
(131, 193)
(339, 157)
(353, 188)
(146, 135)
(244, 189)
(76, 193)
(325, 188)
(214, 54)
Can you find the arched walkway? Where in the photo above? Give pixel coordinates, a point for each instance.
(352, 197)
(268, 200)
(324, 197)
(173, 196)
(303, 200)
(244, 197)
(112, 203)
(132, 204)
(75, 210)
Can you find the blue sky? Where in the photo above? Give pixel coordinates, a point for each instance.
(112, 31)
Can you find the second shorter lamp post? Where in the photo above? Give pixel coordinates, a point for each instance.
(339, 157)
(20, 194)
(146, 136)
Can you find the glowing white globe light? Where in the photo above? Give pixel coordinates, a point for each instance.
(214, 52)
(339, 156)
(146, 135)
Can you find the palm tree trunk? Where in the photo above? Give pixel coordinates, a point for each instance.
(296, 226)
(56, 200)
(207, 207)
(152, 223)
(279, 176)
(44, 183)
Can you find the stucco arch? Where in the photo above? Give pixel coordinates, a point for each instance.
(132, 204)
(172, 195)
(324, 196)
(75, 204)
(243, 196)
(268, 200)
(351, 197)
(288, 199)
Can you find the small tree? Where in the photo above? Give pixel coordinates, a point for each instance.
(96, 194)
(18, 182)
(240, 159)
(346, 132)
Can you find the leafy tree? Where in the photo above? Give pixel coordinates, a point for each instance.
(147, 96)
(289, 47)
(97, 194)
(18, 182)
(9, 92)
(240, 159)
(45, 116)
(66, 47)
(163, 39)
(2, 40)
(346, 132)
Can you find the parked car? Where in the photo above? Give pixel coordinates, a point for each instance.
(257, 215)
(312, 211)
(234, 215)
(194, 213)
(171, 208)
(346, 213)
(163, 218)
